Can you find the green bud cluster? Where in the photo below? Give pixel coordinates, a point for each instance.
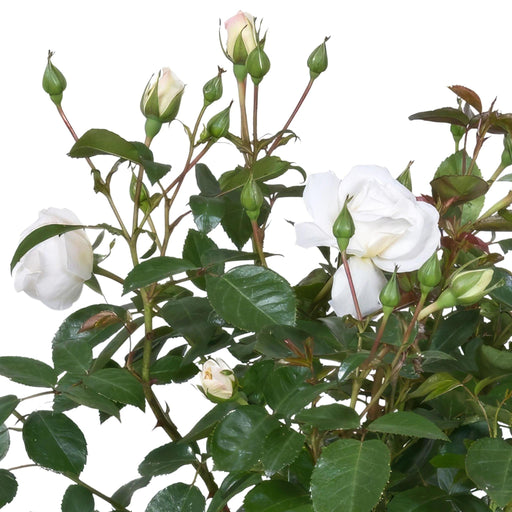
(54, 82)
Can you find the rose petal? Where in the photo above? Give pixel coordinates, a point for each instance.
(368, 282)
(309, 234)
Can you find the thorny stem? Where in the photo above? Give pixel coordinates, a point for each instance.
(290, 119)
(351, 285)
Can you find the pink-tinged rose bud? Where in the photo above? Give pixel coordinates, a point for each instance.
(161, 99)
(55, 270)
(217, 380)
(241, 37)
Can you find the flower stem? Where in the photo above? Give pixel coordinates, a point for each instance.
(255, 122)
(346, 266)
(242, 86)
(290, 119)
(258, 242)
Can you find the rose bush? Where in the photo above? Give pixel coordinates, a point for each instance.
(55, 270)
(392, 229)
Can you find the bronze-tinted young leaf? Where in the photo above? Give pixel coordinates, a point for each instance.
(468, 95)
(448, 115)
(458, 189)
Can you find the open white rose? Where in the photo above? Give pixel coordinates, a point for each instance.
(392, 229)
(217, 380)
(54, 271)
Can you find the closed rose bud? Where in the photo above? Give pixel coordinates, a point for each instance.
(251, 198)
(390, 295)
(258, 64)
(217, 126)
(241, 37)
(54, 82)
(217, 380)
(429, 274)
(212, 90)
(161, 100)
(317, 61)
(55, 270)
(343, 228)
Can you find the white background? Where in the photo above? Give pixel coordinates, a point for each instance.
(387, 60)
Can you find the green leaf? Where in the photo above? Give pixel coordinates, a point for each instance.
(436, 385)
(7, 404)
(455, 330)
(154, 270)
(329, 417)
(489, 465)
(209, 421)
(287, 391)
(154, 170)
(55, 442)
(72, 356)
(267, 168)
(348, 366)
(40, 235)
(5, 441)
(235, 221)
(71, 328)
(117, 384)
(190, 318)
(443, 115)
(250, 297)
(206, 181)
(277, 496)
(502, 294)
(350, 476)
(207, 212)
(236, 442)
(170, 368)
(406, 423)
(166, 459)
(233, 484)
(195, 246)
(507, 177)
(8, 487)
(77, 499)
(421, 499)
(177, 497)
(280, 448)
(124, 494)
(30, 372)
(104, 142)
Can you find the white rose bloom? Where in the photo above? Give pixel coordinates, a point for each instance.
(54, 271)
(392, 229)
(217, 380)
(240, 23)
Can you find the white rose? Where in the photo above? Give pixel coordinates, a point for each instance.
(162, 97)
(54, 271)
(392, 229)
(241, 23)
(217, 380)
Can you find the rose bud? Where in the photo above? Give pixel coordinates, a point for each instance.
(317, 61)
(212, 90)
(390, 295)
(429, 274)
(241, 37)
(54, 82)
(161, 100)
(218, 126)
(258, 64)
(466, 288)
(251, 198)
(55, 270)
(343, 228)
(217, 380)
